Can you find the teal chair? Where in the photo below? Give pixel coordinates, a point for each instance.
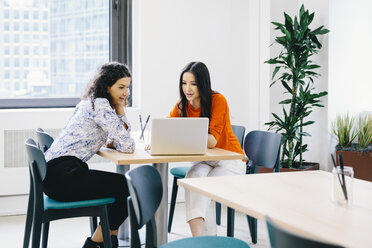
(281, 238)
(42, 209)
(145, 193)
(180, 172)
(45, 141)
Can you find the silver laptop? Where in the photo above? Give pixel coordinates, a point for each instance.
(172, 136)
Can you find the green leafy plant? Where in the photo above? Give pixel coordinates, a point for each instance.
(365, 131)
(299, 43)
(344, 129)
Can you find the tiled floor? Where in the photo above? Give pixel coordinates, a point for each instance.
(72, 232)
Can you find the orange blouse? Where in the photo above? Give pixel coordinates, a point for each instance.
(219, 123)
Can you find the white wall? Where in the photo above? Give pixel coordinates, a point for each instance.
(318, 150)
(224, 34)
(350, 63)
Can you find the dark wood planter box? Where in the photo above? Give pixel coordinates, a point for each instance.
(360, 161)
(307, 166)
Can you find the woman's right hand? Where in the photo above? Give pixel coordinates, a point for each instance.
(119, 108)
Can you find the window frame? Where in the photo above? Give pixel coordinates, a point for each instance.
(120, 11)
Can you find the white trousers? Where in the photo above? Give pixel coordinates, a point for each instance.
(200, 206)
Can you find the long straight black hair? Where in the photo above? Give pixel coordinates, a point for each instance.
(203, 82)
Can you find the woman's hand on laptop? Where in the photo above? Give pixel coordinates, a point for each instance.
(147, 147)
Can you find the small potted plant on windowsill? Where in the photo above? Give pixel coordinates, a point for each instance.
(298, 73)
(357, 155)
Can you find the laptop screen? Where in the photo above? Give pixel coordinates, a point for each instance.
(171, 136)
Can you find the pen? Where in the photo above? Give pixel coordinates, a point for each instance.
(339, 179)
(140, 117)
(343, 175)
(144, 127)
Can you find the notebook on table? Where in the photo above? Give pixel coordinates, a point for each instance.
(179, 136)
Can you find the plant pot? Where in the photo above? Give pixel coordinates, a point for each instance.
(360, 161)
(305, 166)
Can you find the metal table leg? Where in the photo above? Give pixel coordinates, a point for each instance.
(123, 234)
(161, 215)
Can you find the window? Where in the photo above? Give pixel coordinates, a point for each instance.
(16, 38)
(6, 62)
(7, 50)
(26, 26)
(36, 27)
(62, 52)
(6, 26)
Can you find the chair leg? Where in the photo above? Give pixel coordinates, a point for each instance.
(44, 242)
(173, 203)
(218, 213)
(36, 230)
(252, 223)
(29, 217)
(230, 222)
(105, 228)
(93, 224)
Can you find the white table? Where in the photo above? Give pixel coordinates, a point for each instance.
(298, 201)
(140, 156)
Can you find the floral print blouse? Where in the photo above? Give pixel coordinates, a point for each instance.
(89, 129)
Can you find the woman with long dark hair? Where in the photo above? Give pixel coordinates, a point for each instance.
(197, 99)
(98, 120)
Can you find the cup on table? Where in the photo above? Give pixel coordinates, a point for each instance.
(342, 185)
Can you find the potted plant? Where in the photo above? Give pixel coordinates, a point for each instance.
(357, 155)
(297, 76)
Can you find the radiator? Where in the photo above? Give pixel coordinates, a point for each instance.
(14, 148)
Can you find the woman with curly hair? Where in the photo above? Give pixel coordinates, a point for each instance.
(98, 120)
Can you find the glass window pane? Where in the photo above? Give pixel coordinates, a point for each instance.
(57, 46)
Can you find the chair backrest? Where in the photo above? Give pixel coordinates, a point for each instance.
(239, 132)
(263, 148)
(44, 139)
(145, 194)
(37, 168)
(281, 238)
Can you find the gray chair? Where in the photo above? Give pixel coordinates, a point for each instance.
(180, 172)
(281, 238)
(263, 149)
(145, 193)
(42, 209)
(44, 139)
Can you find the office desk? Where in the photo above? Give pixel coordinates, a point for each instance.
(298, 201)
(140, 156)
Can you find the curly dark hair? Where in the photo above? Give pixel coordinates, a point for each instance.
(106, 76)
